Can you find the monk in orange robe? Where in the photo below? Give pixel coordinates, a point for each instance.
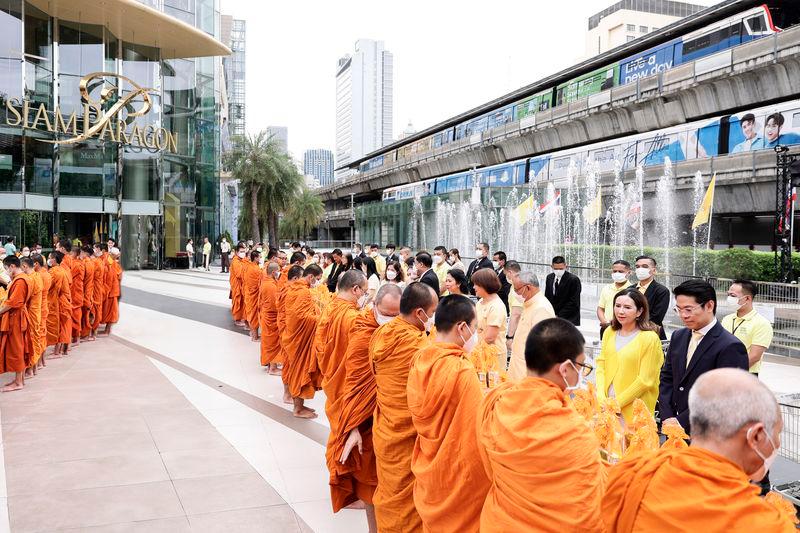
(100, 293)
(47, 282)
(706, 487)
(443, 397)
(391, 350)
(333, 336)
(237, 296)
(541, 457)
(59, 328)
(300, 372)
(111, 307)
(268, 319)
(251, 279)
(293, 273)
(15, 342)
(88, 291)
(78, 271)
(34, 306)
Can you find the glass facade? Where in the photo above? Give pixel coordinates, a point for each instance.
(149, 198)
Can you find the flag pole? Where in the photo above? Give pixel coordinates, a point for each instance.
(791, 220)
(710, 216)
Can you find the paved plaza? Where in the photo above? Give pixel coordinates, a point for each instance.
(171, 424)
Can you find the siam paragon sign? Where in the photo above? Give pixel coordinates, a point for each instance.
(108, 118)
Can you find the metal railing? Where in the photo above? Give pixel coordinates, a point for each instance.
(322, 245)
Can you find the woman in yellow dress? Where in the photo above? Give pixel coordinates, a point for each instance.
(631, 355)
(491, 313)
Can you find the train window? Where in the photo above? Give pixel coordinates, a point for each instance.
(796, 120)
(757, 23)
(736, 29)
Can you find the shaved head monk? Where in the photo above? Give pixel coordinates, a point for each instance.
(352, 448)
(736, 426)
(59, 322)
(236, 280)
(15, 331)
(47, 281)
(268, 317)
(100, 290)
(541, 457)
(78, 271)
(293, 274)
(88, 291)
(333, 338)
(301, 372)
(34, 306)
(251, 280)
(444, 395)
(391, 350)
(113, 280)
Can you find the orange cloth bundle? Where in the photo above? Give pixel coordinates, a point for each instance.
(322, 297)
(676, 436)
(584, 401)
(484, 357)
(608, 430)
(642, 431)
(784, 506)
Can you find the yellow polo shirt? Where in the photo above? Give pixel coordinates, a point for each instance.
(606, 300)
(441, 271)
(514, 300)
(751, 329)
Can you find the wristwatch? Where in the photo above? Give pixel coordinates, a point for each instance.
(509, 337)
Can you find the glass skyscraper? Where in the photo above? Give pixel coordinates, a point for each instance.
(110, 124)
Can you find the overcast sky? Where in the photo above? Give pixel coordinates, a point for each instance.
(449, 56)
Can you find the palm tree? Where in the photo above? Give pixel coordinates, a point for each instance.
(279, 193)
(307, 210)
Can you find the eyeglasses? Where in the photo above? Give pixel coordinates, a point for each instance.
(586, 368)
(686, 310)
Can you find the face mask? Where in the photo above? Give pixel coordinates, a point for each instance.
(259, 249)
(479, 254)
(470, 343)
(26, 254)
(437, 259)
(495, 265)
(759, 474)
(642, 273)
(451, 259)
(558, 273)
(579, 384)
(389, 251)
(316, 283)
(50, 263)
(373, 254)
(241, 255)
(618, 277)
(391, 275)
(315, 260)
(733, 301)
(428, 324)
(277, 274)
(381, 319)
(261, 261)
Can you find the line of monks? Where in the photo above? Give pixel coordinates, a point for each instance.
(414, 440)
(57, 301)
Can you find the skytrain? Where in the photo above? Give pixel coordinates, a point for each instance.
(729, 32)
(758, 129)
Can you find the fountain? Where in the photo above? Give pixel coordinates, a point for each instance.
(665, 221)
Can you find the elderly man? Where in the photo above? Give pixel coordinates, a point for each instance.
(535, 308)
(736, 435)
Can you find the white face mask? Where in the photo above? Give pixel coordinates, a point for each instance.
(495, 265)
(241, 255)
(381, 319)
(261, 261)
(479, 254)
(362, 300)
(558, 273)
(373, 254)
(470, 343)
(315, 260)
(580, 384)
(437, 259)
(759, 474)
(389, 252)
(391, 275)
(618, 277)
(50, 262)
(316, 283)
(428, 324)
(642, 273)
(733, 301)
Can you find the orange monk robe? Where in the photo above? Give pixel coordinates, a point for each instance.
(689, 489)
(251, 278)
(444, 396)
(88, 296)
(15, 341)
(64, 302)
(59, 306)
(333, 336)
(300, 371)
(280, 304)
(111, 307)
(34, 306)
(47, 281)
(100, 293)
(237, 301)
(391, 350)
(541, 458)
(268, 320)
(78, 270)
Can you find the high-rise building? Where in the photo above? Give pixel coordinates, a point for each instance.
(364, 101)
(319, 163)
(626, 20)
(233, 32)
(280, 134)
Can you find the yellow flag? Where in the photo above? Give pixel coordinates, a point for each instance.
(594, 209)
(95, 235)
(522, 213)
(704, 212)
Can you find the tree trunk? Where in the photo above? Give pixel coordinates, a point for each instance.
(255, 231)
(272, 228)
(264, 226)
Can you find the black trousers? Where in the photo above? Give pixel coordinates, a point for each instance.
(225, 261)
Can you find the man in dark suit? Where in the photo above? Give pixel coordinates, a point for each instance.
(390, 253)
(481, 261)
(701, 346)
(336, 270)
(358, 251)
(499, 265)
(422, 264)
(657, 295)
(563, 289)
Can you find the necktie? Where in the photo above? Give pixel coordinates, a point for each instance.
(695, 340)
(555, 286)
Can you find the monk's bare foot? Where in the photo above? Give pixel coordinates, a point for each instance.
(358, 504)
(277, 372)
(239, 323)
(287, 398)
(92, 338)
(11, 387)
(305, 412)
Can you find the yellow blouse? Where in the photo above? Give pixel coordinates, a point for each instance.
(492, 312)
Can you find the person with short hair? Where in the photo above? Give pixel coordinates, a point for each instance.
(59, 323)
(424, 271)
(620, 276)
(113, 281)
(206, 254)
(190, 253)
(746, 324)
(390, 253)
(694, 350)
(225, 254)
(450, 483)
(251, 279)
(358, 251)
(736, 435)
(511, 269)
(336, 269)
(498, 264)
(10, 247)
(481, 261)
(268, 316)
(657, 295)
(380, 262)
(15, 342)
(563, 289)
(540, 455)
(535, 308)
(440, 266)
(491, 313)
(750, 132)
(405, 255)
(236, 280)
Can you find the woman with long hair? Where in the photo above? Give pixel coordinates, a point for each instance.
(454, 258)
(370, 270)
(394, 274)
(631, 355)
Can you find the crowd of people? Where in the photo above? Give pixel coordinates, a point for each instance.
(423, 440)
(58, 299)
